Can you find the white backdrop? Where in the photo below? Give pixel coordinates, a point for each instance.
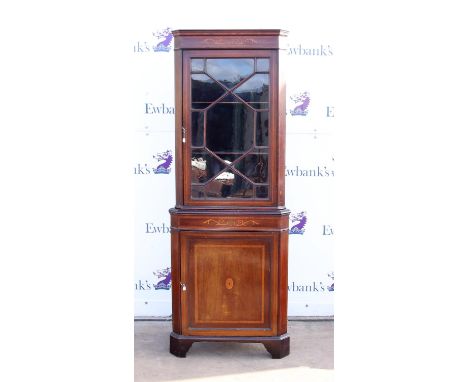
(310, 165)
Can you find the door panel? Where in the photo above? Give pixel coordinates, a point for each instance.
(230, 281)
(229, 123)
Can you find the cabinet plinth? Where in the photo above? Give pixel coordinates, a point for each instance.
(229, 229)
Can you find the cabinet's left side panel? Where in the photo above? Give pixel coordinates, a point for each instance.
(175, 264)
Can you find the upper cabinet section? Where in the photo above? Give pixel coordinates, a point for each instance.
(229, 119)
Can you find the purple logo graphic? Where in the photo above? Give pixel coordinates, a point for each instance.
(300, 219)
(331, 288)
(165, 166)
(302, 102)
(164, 40)
(165, 277)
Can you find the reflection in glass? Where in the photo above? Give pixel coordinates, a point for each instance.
(230, 98)
(198, 64)
(229, 127)
(198, 192)
(255, 89)
(262, 192)
(230, 71)
(228, 158)
(263, 64)
(261, 129)
(197, 128)
(229, 185)
(255, 167)
(204, 89)
(204, 166)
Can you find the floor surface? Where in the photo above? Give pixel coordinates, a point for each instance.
(311, 357)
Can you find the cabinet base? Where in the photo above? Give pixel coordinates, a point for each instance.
(277, 346)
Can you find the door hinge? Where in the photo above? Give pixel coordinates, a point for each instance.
(183, 134)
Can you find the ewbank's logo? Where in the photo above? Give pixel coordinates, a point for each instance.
(166, 159)
(300, 220)
(162, 42)
(302, 101)
(162, 165)
(312, 286)
(165, 39)
(331, 288)
(299, 50)
(165, 279)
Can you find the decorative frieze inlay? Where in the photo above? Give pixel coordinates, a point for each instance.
(231, 222)
(233, 41)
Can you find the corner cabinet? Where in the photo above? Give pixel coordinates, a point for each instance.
(229, 228)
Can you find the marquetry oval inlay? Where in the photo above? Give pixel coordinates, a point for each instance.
(229, 283)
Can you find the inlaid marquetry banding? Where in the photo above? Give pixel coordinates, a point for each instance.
(231, 222)
(232, 41)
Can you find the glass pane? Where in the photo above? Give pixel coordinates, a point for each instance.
(230, 71)
(229, 185)
(229, 127)
(259, 105)
(263, 64)
(204, 89)
(204, 166)
(255, 167)
(261, 128)
(230, 98)
(198, 64)
(255, 89)
(262, 192)
(198, 192)
(228, 158)
(197, 128)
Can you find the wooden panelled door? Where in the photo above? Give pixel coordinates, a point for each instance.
(229, 283)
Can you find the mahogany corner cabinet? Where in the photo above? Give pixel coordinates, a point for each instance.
(229, 228)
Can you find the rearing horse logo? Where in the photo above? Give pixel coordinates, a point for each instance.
(299, 227)
(164, 167)
(165, 277)
(331, 288)
(302, 101)
(164, 40)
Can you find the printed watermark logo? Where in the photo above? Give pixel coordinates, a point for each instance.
(300, 220)
(152, 228)
(299, 50)
(315, 171)
(162, 164)
(331, 288)
(312, 286)
(160, 42)
(165, 39)
(302, 101)
(166, 160)
(327, 230)
(151, 108)
(163, 281)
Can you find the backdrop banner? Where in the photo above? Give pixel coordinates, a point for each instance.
(310, 169)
